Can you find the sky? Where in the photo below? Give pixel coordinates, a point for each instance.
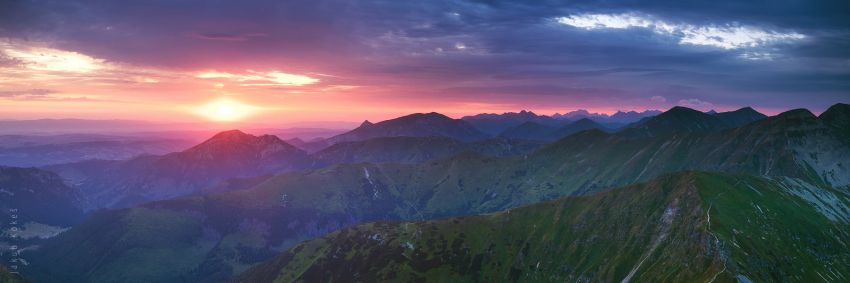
(337, 60)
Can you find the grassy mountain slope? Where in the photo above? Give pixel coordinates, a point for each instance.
(686, 227)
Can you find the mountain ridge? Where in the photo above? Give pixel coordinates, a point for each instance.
(416, 125)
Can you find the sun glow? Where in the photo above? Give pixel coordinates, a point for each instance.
(226, 110)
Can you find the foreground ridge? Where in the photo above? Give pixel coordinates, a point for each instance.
(684, 227)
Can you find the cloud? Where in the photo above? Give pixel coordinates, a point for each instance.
(49, 59)
(39, 94)
(726, 36)
(658, 99)
(36, 92)
(696, 104)
(228, 36)
(254, 78)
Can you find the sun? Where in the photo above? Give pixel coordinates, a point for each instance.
(226, 110)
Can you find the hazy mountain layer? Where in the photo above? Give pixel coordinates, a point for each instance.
(535, 131)
(226, 155)
(680, 120)
(49, 154)
(687, 227)
(418, 149)
(495, 124)
(36, 196)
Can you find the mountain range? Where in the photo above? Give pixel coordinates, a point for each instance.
(59, 153)
(619, 117)
(495, 124)
(211, 237)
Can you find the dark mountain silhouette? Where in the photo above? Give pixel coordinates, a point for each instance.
(677, 120)
(740, 117)
(535, 131)
(838, 116)
(414, 125)
(530, 131)
(495, 124)
(583, 124)
(37, 196)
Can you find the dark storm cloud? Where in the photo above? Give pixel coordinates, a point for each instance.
(467, 47)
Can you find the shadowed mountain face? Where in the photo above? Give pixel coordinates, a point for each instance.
(616, 120)
(838, 116)
(226, 155)
(418, 149)
(34, 205)
(535, 131)
(682, 120)
(740, 117)
(687, 227)
(414, 125)
(36, 196)
(206, 233)
(529, 130)
(49, 154)
(676, 120)
(495, 124)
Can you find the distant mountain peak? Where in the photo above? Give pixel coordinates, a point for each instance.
(429, 115)
(413, 125)
(230, 134)
(838, 116)
(682, 109)
(837, 109)
(231, 138)
(677, 120)
(366, 123)
(740, 117)
(796, 114)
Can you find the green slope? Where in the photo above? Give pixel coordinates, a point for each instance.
(686, 227)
